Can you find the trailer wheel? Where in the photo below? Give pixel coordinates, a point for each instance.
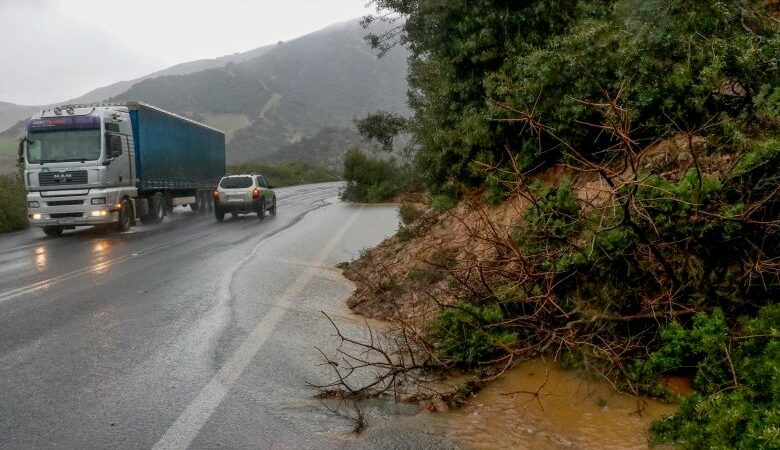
(53, 232)
(125, 215)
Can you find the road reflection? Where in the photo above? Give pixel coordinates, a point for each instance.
(40, 258)
(100, 255)
(100, 246)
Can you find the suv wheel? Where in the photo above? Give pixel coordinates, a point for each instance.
(273, 208)
(219, 213)
(53, 232)
(261, 210)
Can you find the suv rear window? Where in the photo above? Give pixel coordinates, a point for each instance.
(235, 182)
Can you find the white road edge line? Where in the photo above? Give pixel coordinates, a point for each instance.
(188, 425)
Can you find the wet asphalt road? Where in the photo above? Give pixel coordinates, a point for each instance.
(191, 334)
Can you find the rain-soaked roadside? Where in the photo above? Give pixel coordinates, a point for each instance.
(569, 412)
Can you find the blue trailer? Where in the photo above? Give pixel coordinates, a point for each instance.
(110, 165)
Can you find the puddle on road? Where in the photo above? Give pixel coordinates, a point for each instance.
(574, 413)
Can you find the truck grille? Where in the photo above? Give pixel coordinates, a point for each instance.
(65, 215)
(65, 203)
(62, 178)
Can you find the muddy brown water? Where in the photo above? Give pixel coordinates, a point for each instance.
(570, 413)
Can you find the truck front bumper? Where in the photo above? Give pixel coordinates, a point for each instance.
(69, 211)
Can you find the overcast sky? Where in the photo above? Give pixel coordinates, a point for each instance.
(55, 50)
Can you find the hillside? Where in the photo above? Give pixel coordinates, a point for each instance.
(293, 101)
(325, 149)
(10, 113)
(290, 92)
(118, 88)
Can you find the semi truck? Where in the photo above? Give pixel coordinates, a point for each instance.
(112, 165)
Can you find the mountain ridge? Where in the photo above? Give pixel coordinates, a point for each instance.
(276, 99)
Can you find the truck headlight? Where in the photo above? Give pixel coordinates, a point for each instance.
(99, 213)
(99, 201)
(33, 205)
(35, 217)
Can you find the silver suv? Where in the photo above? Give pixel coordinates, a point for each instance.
(243, 194)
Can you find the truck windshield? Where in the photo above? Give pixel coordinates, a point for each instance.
(61, 146)
(236, 182)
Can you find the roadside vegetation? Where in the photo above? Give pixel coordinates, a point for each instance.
(374, 180)
(8, 148)
(287, 173)
(13, 206)
(616, 166)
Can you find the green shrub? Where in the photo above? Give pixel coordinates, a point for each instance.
(556, 209)
(287, 173)
(372, 180)
(549, 223)
(443, 202)
(763, 153)
(415, 274)
(496, 188)
(736, 403)
(13, 203)
(468, 334)
(405, 233)
(386, 284)
(409, 213)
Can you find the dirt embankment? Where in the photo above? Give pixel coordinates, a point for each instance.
(408, 275)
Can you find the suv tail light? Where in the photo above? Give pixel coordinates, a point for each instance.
(215, 194)
(256, 194)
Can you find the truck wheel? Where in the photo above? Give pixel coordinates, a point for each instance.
(204, 202)
(219, 213)
(273, 208)
(125, 215)
(261, 210)
(157, 208)
(53, 232)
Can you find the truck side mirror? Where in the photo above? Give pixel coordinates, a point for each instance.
(20, 151)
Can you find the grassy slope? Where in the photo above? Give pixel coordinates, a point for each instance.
(7, 148)
(229, 123)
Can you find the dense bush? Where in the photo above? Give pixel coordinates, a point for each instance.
(673, 107)
(373, 180)
(287, 173)
(467, 334)
(13, 203)
(477, 66)
(736, 375)
(409, 213)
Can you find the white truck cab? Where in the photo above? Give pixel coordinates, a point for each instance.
(110, 164)
(78, 166)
